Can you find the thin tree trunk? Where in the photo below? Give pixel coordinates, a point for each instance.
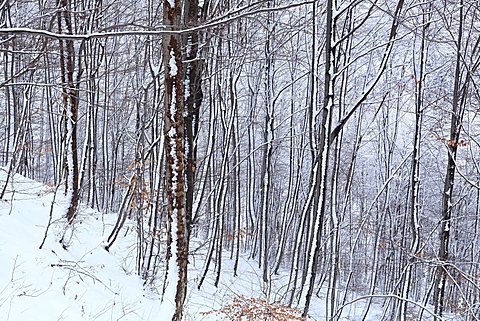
(441, 273)
(193, 101)
(319, 185)
(415, 177)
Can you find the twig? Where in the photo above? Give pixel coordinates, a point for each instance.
(14, 267)
(50, 218)
(75, 267)
(11, 203)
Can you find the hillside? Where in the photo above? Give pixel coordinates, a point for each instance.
(85, 282)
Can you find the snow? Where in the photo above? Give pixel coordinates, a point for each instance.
(85, 282)
(186, 86)
(172, 64)
(168, 300)
(69, 156)
(155, 68)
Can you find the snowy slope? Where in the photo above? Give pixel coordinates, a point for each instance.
(85, 282)
(82, 283)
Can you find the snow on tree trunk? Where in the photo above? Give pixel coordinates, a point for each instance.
(441, 273)
(176, 280)
(70, 104)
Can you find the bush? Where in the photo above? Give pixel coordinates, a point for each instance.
(255, 309)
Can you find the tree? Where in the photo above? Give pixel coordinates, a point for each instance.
(70, 79)
(174, 130)
(307, 137)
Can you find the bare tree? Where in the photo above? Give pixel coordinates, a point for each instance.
(71, 72)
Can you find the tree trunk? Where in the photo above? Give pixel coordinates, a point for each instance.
(441, 274)
(70, 102)
(193, 101)
(415, 178)
(175, 158)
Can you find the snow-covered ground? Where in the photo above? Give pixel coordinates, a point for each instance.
(85, 282)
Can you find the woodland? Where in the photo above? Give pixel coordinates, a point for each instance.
(336, 142)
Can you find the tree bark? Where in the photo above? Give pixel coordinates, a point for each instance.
(175, 156)
(452, 144)
(193, 101)
(70, 90)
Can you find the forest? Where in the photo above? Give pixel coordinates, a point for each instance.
(332, 141)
